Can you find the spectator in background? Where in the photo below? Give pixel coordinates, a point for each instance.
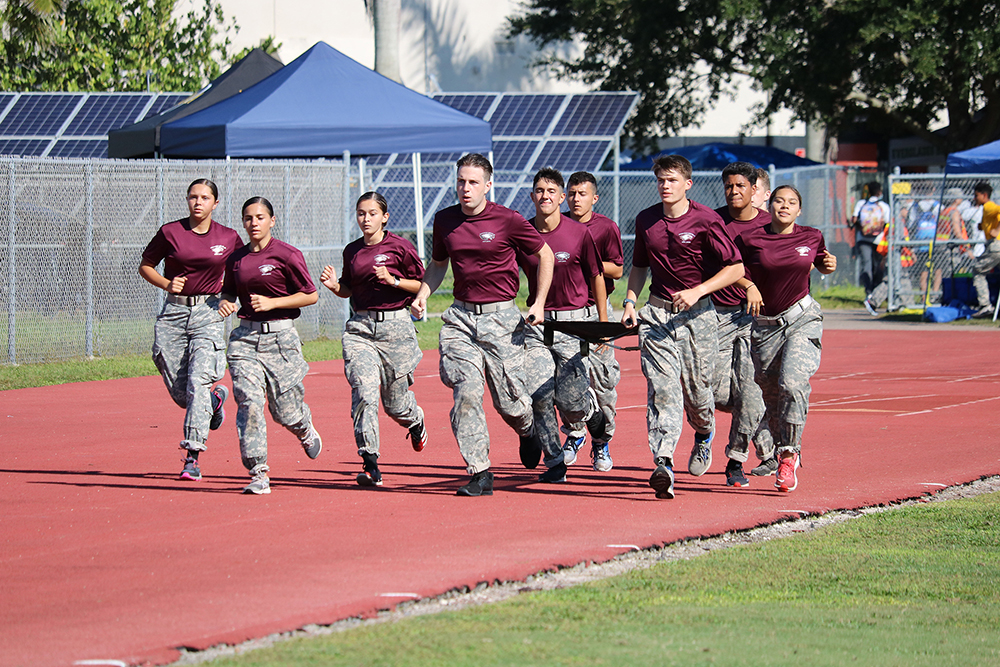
(871, 215)
(990, 259)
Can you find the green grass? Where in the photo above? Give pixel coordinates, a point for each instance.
(916, 586)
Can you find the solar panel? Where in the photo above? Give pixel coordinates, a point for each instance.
(568, 155)
(39, 114)
(512, 155)
(5, 100)
(472, 104)
(521, 115)
(163, 102)
(595, 114)
(80, 148)
(25, 147)
(101, 113)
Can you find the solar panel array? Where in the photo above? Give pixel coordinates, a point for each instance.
(72, 124)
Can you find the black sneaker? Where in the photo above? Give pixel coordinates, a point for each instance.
(554, 475)
(191, 470)
(481, 484)
(219, 396)
(735, 476)
(418, 436)
(766, 468)
(531, 451)
(371, 475)
(662, 481)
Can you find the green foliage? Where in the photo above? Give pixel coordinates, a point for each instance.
(901, 64)
(267, 45)
(105, 45)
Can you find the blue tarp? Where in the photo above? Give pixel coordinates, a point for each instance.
(713, 156)
(983, 159)
(320, 105)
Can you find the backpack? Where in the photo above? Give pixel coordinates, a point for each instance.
(927, 219)
(871, 218)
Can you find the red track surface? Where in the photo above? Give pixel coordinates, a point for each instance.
(107, 555)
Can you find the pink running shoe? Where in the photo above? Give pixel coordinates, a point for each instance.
(786, 479)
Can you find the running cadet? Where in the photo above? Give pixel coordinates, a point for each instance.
(189, 334)
(381, 273)
(482, 337)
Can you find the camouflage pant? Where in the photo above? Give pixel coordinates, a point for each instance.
(479, 351)
(785, 357)
(379, 359)
(267, 367)
(556, 376)
(985, 263)
(678, 356)
(189, 350)
(735, 389)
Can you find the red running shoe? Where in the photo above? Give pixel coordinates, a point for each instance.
(786, 479)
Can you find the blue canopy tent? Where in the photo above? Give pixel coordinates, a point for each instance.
(714, 156)
(321, 105)
(983, 159)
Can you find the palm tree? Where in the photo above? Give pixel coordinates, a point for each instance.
(386, 17)
(29, 21)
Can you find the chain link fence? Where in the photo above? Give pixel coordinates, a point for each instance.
(934, 239)
(72, 234)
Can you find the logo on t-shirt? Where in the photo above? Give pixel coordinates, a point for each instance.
(686, 237)
(487, 236)
(803, 250)
(381, 259)
(218, 249)
(562, 257)
(265, 269)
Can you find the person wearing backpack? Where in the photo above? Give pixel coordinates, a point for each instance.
(871, 215)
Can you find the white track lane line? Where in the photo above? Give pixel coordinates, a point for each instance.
(110, 663)
(400, 595)
(943, 486)
(623, 546)
(948, 407)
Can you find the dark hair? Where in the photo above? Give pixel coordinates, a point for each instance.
(549, 174)
(376, 197)
(257, 200)
(744, 169)
(763, 177)
(581, 177)
(476, 160)
(984, 187)
(874, 189)
(785, 187)
(677, 163)
(204, 181)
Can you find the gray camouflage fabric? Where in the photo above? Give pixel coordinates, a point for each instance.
(785, 358)
(379, 359)
(556, 376)
(985, 263)
(267, 367)
(189, 350)
(479, 351)
(678, 357)
(735, 389)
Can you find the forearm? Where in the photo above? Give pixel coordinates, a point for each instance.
(600, 297)
(433, 277)
(297, 300)
(152, 277)
(636, 281)
(724, 278)
(546, 261)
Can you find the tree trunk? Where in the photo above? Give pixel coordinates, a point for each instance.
(386, 14)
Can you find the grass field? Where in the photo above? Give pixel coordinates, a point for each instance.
(919, 585)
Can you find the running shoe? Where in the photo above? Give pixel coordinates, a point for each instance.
(554, 475)
(662, 481)
(219, 396)
(766, 468)
(312, 444)
(371, 475)
(260, 485)
(570, 449)
(786, 479)
(418, 436)
(481, 484)
(870, 308)
(735, 476)
(530, 451)
(191, 470)
(600, 457)
(701, 454)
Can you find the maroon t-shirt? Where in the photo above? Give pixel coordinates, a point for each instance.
(277, 270)
(199, 257)
(481, 248)
(608, 238)
(680, 251)
(779, 264)
(368, 292)
(733, 295)
(576, 263)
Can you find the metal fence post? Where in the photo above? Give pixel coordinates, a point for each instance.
(348, 221)
(90, 261)
(11, 270)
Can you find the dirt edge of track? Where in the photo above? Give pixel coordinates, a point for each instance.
(496, 591)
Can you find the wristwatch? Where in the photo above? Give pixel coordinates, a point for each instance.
(396, 284)
(625, 301)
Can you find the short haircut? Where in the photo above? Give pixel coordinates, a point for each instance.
(377, 198)
(874, 189)
(763, 178)
(785, 186)
(744, 169)
(257, 200)
(476, 160)
(549, 174)
(207, 183)
(677, 163)
(581, 177)
(984, 187)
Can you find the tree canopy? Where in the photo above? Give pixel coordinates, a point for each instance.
(900, 65)
(120, 45)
